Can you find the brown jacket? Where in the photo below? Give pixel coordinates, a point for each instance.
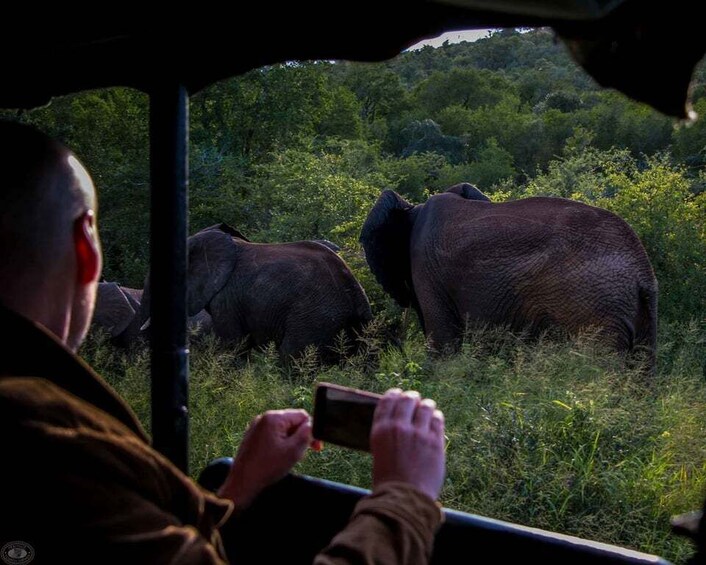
(79, 481)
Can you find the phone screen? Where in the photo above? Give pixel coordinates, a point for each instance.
(344, 416)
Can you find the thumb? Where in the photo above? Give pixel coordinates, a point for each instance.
(300, 439)
(303, 433)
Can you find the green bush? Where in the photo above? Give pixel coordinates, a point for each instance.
(300, 195)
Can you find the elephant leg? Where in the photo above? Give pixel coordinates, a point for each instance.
(227, 325)
(292, 346)
(442, 327)
(331, 338)
(623, 338)
(618, 334)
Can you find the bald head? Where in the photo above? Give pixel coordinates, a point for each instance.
(43, 189)
(44, 193)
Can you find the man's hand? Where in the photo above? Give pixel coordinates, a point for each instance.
(407, 442)
(273, 443)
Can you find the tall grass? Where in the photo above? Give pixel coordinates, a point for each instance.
(552, 434)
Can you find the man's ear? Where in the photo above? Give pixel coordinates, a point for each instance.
(88, 254)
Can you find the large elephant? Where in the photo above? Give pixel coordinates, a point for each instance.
(293, 294)
(528, 264)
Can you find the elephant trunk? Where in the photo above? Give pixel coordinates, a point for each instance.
(143, 319)
(134, 330)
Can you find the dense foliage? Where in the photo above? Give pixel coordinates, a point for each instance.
(302, 150)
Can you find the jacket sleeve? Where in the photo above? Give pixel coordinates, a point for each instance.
(396, 524)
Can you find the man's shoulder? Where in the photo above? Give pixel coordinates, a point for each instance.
(35, 403)
(41, 422)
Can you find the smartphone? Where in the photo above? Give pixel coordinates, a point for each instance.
(344, 416)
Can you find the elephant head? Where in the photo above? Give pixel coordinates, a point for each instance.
(212, 254)
(386, 238)
(212, 257)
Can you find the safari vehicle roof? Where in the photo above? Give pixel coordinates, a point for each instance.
(646, 49)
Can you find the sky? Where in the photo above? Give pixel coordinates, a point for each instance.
(452, 37)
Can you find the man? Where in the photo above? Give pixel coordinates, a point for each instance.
(79, 479)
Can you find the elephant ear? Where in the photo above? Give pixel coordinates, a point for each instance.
(225, 228)
(212, 258)
(468, 191)
(114, 310)
(386, 238)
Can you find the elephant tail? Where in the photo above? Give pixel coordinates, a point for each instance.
(646, 323)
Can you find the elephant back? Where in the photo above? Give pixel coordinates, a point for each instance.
(468, 191)
(329, 262)
(226, 228)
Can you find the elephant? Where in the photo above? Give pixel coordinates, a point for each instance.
(292, 294)
(529, 265)
(117, 308)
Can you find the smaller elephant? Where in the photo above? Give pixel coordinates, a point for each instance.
(293, 294)
(117, 308)
(529, 264)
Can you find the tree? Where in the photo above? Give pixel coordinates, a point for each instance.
(469, 88)
(414, 175)
(378, 90)
(455, 120)
(425, 137)
(620, 122)
(265, 109)
(341, 116)
(689, 141)
(300, 195)
(108, 130)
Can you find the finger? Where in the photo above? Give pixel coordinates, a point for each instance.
(289, 420)
(386, 404)
(298, 443)
(424, 413)
(302, 434)
(437, 422)
(293, 416)
(406, 405)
